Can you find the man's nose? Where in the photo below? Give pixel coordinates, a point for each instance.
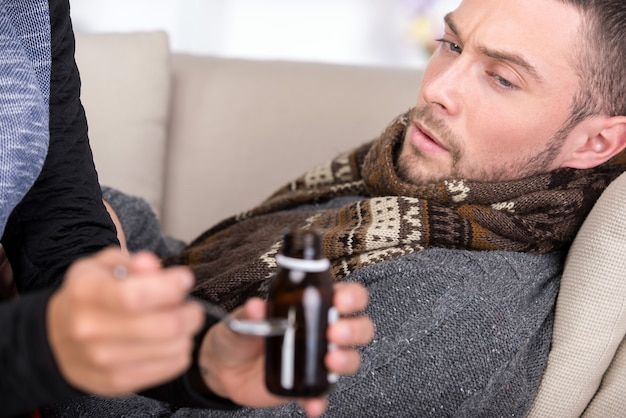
(445, 87)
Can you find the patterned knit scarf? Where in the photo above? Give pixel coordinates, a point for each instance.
(536, 214)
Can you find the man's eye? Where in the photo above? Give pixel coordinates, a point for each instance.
(451, 46)
(502, 82)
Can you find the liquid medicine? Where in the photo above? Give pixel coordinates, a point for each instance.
(302, 293)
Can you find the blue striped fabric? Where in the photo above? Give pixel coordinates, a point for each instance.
(25, 63)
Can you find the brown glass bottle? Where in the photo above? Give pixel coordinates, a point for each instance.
(301, 292)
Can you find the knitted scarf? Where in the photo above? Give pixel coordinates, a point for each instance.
(538, 214)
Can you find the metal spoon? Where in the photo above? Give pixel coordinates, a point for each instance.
(258, 327)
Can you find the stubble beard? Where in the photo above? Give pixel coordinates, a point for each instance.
(412, 169)
(410, 160)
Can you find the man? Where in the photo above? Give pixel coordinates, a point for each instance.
(458, 217)
(97, 332)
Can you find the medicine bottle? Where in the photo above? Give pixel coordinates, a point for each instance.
(302, 293)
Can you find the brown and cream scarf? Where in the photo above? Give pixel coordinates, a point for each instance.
(537, 214)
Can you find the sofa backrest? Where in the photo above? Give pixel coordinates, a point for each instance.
(202, 138)
(125, 92)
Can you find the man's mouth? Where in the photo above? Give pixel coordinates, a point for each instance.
(424, 140)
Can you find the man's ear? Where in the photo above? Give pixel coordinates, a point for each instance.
(601, 139)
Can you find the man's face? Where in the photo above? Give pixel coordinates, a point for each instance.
(496, 93)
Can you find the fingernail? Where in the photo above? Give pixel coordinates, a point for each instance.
(333, 315)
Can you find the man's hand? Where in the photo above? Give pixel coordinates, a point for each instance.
(233, 365)
(112, 335)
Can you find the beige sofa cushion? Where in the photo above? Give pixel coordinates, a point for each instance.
(242, 128)
(610, 400)
(590, 319)
(126, 82)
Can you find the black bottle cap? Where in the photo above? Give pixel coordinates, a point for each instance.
(303, 243)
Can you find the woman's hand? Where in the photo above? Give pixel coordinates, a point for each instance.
(113, 335)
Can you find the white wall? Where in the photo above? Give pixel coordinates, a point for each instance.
(343, 31)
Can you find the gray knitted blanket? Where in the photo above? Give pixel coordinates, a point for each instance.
(459, 334)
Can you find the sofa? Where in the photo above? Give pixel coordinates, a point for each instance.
(201, 138)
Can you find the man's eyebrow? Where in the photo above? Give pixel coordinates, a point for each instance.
(512, 58)
(450, 23)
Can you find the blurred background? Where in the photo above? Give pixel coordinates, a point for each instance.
(364, 32)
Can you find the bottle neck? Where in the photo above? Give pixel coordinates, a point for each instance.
(299, 264)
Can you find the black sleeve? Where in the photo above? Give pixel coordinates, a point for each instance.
(62, 217)
(29, 376)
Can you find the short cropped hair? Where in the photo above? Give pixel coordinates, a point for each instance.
(600, 59)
